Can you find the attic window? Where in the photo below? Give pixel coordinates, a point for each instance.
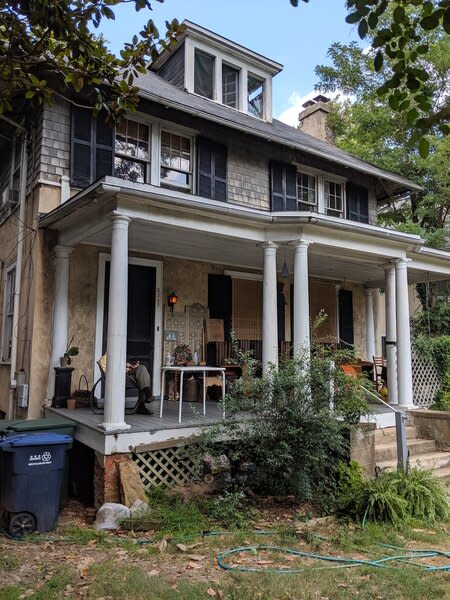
(204, 74)
(230, 86)
(255, 96)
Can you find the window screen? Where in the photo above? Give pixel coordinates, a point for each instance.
(230, 86)
(176, 160)
(255, 96)
(204, 74)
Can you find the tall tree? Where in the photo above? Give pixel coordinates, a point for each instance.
(48, 47)
(397, 31)
(366, 125)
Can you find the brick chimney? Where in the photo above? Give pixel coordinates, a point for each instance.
(313, 119)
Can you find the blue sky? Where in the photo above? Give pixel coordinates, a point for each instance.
(296, 37)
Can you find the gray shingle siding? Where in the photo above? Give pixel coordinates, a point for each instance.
(55, 142)
(173, 70)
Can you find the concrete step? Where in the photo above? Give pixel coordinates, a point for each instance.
(388, 434)
(430, 461)
(442, 473)
(388, 451)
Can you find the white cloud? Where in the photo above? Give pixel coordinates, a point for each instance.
(296, 101)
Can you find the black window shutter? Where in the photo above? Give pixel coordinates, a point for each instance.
(104, 148)
(92, 147)
(211, 170)
(81, 147)
(346, 333)
(357, 203)
(283, 186)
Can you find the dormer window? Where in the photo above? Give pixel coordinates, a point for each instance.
(256, 96)
(204, 74)
(230, 86)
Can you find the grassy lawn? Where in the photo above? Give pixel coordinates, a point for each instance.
(77, 562)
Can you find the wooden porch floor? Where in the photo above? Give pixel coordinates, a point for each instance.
(192, 417)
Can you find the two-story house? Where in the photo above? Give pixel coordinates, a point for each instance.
(202, 197)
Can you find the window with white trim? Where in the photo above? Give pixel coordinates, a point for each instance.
(334, 198)
(204, 67)
(306, 191)
(230, 86)
(8, 313)
(176, 161)
(255, 96)
(132, 151)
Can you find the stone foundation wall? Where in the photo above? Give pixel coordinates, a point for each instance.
(432, 425)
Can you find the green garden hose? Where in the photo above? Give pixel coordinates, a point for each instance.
(338, 561)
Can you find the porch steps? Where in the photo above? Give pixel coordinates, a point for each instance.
(422, 452)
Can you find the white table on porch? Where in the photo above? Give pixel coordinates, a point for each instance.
(191, 369)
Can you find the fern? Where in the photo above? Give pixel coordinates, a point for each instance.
(424, 493)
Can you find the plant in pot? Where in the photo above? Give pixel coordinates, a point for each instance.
(66, 359)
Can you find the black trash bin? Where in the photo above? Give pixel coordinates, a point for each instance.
(16, 426)
(31, 468)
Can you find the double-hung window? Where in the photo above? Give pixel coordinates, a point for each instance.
(8, 314)
(132, 154)
(306, 191)
(176, 161)
(334, 198)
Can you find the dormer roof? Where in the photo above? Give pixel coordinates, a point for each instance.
(214, 40)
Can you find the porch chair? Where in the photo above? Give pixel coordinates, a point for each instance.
(379, 372)
(131, 394)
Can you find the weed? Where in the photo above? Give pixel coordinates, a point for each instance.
(229, 510)
(8, 562)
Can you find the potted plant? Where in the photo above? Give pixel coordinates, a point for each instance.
(66, 359)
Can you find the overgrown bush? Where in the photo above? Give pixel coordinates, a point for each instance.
(395, 497)
(290, 433)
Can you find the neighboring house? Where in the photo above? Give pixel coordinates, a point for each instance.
(203, 194)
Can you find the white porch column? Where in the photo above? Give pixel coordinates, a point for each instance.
(116, 344)
(270, 320)
(301, 299)
(404, 370)
(370, 324)
(391, 333)
(60, 312)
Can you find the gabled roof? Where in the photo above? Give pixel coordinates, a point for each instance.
(155, 88)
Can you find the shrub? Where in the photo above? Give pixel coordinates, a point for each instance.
(291, 435)
(394, 497)
(229, 510)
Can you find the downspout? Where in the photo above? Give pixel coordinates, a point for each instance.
(17, 290)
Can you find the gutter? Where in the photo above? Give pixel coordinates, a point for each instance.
(19, 258)
(114, 186)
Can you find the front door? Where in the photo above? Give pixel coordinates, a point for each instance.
(141, 313)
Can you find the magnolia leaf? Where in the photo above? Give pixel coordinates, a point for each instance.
(378, 61)
(363, 28)
(353, 18)
(446, 20)
(431, 22)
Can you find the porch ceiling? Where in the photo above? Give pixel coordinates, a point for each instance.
(325, 262)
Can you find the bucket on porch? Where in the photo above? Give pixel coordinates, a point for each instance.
(191, 390)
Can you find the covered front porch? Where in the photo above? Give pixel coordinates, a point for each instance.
(185, 242)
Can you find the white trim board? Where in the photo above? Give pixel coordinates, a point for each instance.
(157, 350)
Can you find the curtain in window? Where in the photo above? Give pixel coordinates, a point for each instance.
(204, 74)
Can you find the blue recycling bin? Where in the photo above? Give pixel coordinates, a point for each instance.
(31, 469)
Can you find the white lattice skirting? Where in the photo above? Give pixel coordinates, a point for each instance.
(167, 467)
(426, 381)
